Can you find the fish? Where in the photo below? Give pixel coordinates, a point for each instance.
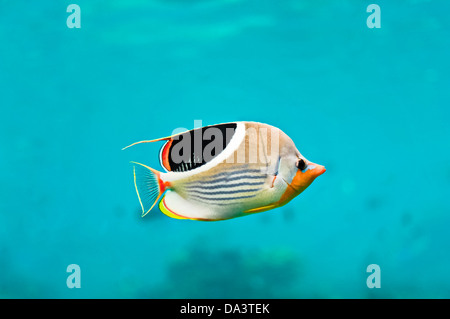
(223, 171)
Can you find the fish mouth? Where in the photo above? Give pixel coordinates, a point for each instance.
(321, 170)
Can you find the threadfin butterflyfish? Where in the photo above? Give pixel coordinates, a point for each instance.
(224, 171)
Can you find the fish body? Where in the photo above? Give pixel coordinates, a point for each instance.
(247, 168)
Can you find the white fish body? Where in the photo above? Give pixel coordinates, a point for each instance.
(255, 171)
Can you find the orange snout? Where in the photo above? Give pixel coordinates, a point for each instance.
(302, 180)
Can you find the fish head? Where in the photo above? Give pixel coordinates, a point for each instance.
(296, 169)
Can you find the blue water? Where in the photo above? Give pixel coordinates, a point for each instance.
(372, 105)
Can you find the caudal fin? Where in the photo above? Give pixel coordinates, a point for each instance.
(149, 187)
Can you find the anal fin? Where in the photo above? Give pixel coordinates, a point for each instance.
(167, 211)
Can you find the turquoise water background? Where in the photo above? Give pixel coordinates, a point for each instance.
(372, 105)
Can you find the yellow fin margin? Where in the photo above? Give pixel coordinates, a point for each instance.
(167, 211)
(260, 209)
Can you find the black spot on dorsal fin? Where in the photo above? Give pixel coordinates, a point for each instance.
(193, 142)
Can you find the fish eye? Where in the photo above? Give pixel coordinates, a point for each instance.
(301, 165)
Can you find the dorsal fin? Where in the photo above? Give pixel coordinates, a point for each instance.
(156, 140)
(197, 147)
(191, 149)
(164, 155)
